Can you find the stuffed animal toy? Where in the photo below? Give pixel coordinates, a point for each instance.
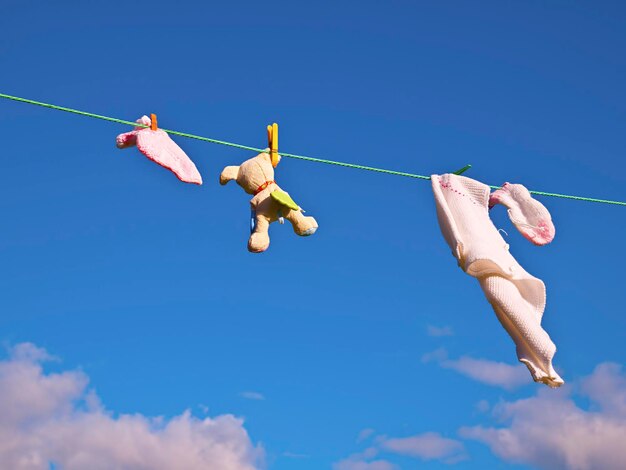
(161, 149)
(269, 204)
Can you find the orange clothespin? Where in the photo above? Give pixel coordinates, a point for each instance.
(153, 122)
(272, 143)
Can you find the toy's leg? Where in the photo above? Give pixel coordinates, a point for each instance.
(534, 347)
(259, 239)
(302, 225)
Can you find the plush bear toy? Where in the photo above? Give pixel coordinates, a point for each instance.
(269, 204)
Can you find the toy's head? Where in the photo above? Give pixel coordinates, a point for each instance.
(251, 174)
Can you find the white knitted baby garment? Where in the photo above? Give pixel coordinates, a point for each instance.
(517, 297)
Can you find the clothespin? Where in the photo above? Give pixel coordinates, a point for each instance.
(462, 170)
(272, 143)
(153, 122)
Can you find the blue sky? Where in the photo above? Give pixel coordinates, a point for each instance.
(144, 284)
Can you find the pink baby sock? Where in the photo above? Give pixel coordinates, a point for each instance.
(161, 149)
(529, 216)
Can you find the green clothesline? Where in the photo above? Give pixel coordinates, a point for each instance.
(289, 155)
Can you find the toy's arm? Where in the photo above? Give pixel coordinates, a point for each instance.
(229, 174)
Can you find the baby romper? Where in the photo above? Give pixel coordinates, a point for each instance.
(517, 297)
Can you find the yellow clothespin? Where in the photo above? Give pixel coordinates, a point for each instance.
(153, 122)
(272, 143)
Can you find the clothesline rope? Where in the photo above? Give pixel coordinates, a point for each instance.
(289, 155)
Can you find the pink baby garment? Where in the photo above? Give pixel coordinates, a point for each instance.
(161, 149)
(517, 297)
(529, 216)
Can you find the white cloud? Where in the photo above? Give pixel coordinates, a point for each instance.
(438, 355)
(30, 352)
(252, 395)
(482, 406)
(427, 446)
(52, 418)
(550, 430)
(581, 426)
(363, 461)
(203, 408)
(607, 387)
(494, 373)
(364, 434)
(437, 331)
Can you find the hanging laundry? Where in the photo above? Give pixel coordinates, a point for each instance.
(269, 204)
(529, 216)
(517, 297)
(160, 148)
